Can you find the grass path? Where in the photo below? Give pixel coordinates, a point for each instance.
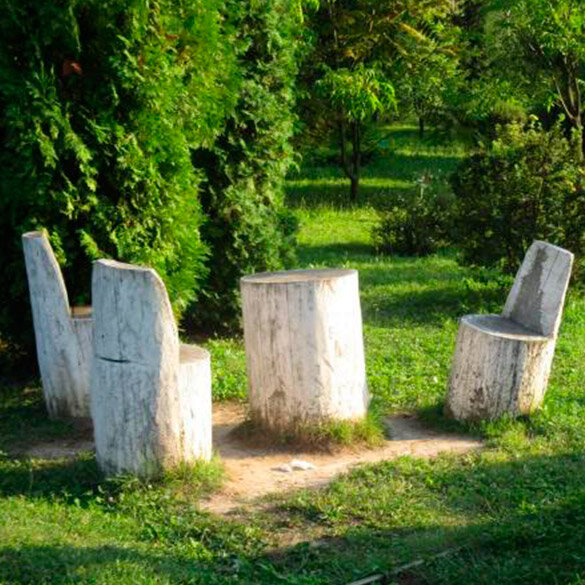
(512, 514)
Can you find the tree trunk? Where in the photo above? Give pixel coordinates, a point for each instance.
(356, 161)
(581, 138)
(348, 169)
(304, 347)
(354, 189)
(421, 128)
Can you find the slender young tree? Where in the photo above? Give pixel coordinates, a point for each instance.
(357, 46)
(547, 39)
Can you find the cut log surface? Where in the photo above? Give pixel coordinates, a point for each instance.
(502, 363)
(304, 347)
(64, 344)
(151, 409)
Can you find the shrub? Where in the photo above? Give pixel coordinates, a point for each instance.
(101, 103)
(418, 222)
(524, 185)
(248, 228)
(154, 133)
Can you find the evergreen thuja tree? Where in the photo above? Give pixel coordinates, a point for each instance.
(101, 105)
(247, 228)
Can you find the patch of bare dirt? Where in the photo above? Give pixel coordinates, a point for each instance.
(257, 471)
(253, 471)
(58, 449)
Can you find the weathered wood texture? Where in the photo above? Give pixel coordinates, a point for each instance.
(151, 397)
(304, 347)
(502, 363)
(64, 342)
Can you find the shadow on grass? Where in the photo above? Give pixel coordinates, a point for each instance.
(521, 521)
(428, 307)
(335, 254)
(67, 479)
(24, 420)
(382, 181)
(336, 196)
(60, 565)
(511, 523)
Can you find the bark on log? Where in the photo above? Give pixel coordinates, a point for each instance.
(63, 342)
(499, 368)
(304, 347)
(502, 363)
(151, 399)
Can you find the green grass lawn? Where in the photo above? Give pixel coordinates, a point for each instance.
(511, 514)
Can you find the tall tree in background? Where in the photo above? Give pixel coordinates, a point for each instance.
(547, 39)
(429, 72)
(248, 228)
(348, 79)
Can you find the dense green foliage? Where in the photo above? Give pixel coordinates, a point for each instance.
(115, 115)
(418, 221)
(357, 50)
(248, 228)
(525, 185)
(101, 104)
(543, 52)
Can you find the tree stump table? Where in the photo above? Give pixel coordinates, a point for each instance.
(304, 347)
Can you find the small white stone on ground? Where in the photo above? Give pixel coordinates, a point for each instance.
(286, 468)
(301, 465)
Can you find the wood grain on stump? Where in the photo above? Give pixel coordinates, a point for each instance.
(151, 397)
(63, 341)
(502, 362)
(304, 347)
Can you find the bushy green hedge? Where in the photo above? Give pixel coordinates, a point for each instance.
(104, 107)
(524, 185)
(248, 228)
(417, 222)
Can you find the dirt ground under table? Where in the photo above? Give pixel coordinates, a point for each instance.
(253, 471)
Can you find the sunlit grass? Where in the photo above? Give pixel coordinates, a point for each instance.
(511, 514)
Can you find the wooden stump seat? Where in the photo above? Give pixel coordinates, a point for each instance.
(151, 396)
(63, 335)
(502, 362)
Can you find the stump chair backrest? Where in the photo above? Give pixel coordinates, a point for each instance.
(538, 294)
(48, 294)
(134, 321)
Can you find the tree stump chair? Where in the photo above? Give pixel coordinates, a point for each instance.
(63, 335)
(304, 347)
(151, 395)
(502, 362)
